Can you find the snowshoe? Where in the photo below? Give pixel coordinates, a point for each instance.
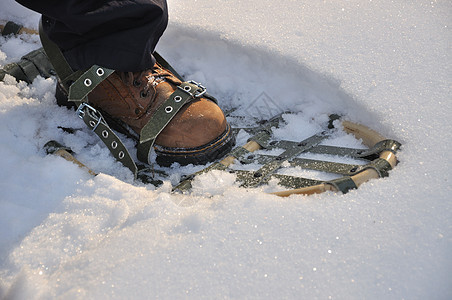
(374, 162)
(158, 104)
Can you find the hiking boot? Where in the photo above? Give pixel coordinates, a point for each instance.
(198, 133)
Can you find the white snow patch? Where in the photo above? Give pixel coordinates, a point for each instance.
(386, 64)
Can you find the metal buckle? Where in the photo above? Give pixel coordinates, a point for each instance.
(80, 110)
(92, 112)
(198, 93)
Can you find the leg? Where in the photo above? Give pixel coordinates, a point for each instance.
(119, 35)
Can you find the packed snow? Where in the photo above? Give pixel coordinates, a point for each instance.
(386, 64)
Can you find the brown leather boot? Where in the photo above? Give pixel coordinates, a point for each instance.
(199, 132)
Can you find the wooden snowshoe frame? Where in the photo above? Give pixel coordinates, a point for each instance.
(370, 138)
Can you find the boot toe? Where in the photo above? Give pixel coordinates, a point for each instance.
(196, 124)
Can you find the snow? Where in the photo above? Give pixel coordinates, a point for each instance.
(386, 64)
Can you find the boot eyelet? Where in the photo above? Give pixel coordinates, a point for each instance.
(136, 83)
(177, 99)
(168, 109)
(88, 82)
(100, 72)
(144, 94)
(187, 88)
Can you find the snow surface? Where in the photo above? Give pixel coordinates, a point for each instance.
(386, 64)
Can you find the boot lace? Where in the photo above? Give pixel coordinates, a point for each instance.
(145, 79)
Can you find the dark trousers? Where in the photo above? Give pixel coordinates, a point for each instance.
(119, 35)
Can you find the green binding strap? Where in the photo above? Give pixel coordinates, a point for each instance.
(79, 84)
(87, 82)
(380, 165)
(344, 184)
(78, 93)
(29, 67)
(184, 93)
(11, 28)
(277, 161)
(62, 68)
(94, 120)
